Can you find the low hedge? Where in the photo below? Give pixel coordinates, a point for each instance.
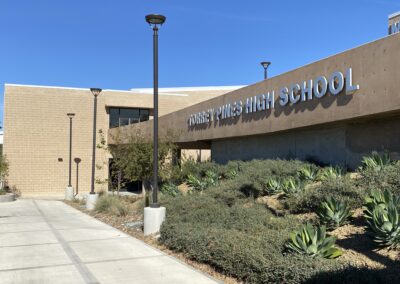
(244, 240)
(343, 189)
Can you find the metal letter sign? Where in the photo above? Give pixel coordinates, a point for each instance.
(291, 94)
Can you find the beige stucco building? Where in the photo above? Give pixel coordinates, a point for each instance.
(36, 130)
(333, 111)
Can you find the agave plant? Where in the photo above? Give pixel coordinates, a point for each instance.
(333, 213)
(382, 215)
(313, 241)
(211, 178)
(231, 174)
(196, 183)
(376, 161)
(308, 173)
(331, 173)
(273, 186)
(170, 189)
(378, 198)
(291, 186)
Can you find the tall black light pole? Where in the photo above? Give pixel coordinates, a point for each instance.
(71, 116)
(155, 20)
(95, 92)
(265, 65)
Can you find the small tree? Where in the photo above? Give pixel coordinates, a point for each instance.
(134, 157)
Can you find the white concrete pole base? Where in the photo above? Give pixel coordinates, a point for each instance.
(69, 193)
(153, 218)
(91, 200)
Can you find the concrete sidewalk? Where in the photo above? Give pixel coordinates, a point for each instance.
(51, 242)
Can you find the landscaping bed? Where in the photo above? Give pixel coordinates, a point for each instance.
(239, 222)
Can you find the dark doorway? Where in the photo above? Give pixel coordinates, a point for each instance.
(116, 180)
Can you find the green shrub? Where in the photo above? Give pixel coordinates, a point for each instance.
(343, 189)
(111, 205)
(243, 239)
(381, 211)
(388, 177)
(334, 213)
(170, 189)
(2, 192)
(312, 241)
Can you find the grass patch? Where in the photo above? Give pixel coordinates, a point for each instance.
(112, 205)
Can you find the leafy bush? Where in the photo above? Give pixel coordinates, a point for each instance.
(382, 215)
(292, 186)
(170, 189)
(343, 189)
(334, 213)
(312, 241)
(388, 177)
(243, 239)
(111, 205)
(376, 161)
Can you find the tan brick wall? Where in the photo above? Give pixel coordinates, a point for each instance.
(36, 133)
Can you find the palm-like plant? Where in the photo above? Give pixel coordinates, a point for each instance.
(308, 173)
(376, 161)
(313, 241)
(334, 213)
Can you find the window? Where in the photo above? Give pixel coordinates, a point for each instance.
(125, 116)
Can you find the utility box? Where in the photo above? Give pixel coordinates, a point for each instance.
(394, 23)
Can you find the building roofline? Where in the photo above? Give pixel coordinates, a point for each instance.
(164, 91)
(394, 15)
(188, 89)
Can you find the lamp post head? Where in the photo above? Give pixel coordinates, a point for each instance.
(95, 91)
(77, 160)
(265, 64)
(155, 19)
(71, 115)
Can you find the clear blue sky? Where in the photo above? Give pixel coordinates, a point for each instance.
(108, 44)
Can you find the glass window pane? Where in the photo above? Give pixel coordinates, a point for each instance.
(144, 114)
(129, 113)
(114, 117)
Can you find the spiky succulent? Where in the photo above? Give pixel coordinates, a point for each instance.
(331, 173)
(334, 213)
(273, 186)
(170, 189)
(308, 173)
(231, 174)
(291, 186)
(313, 241)
(381, 211)
(211, 178)
(196, 183)
(376, 161)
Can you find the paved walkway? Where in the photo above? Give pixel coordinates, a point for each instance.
(51, 242)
